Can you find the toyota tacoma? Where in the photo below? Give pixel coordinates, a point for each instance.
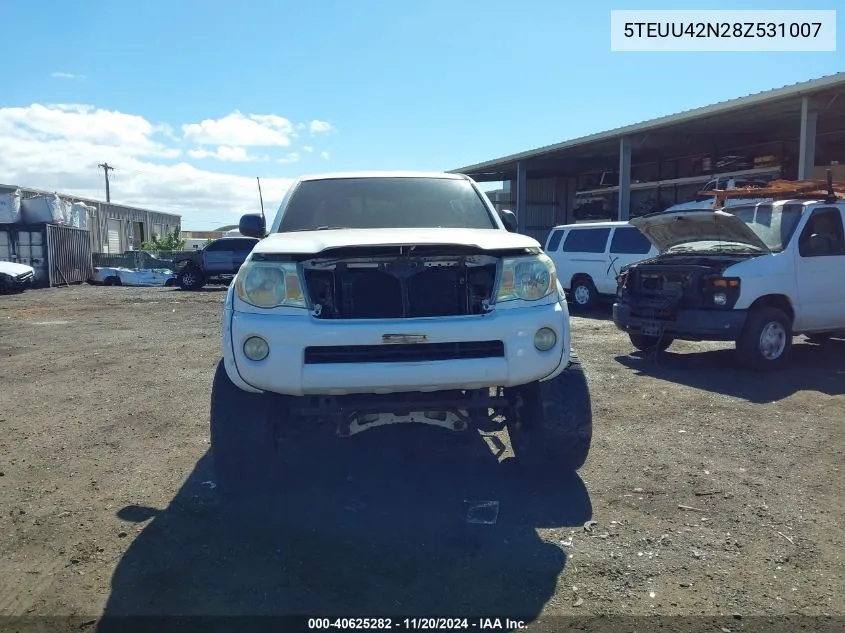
(393, 298)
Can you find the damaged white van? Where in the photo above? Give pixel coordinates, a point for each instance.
(756, 274)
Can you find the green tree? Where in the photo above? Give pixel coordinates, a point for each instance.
(169, 242)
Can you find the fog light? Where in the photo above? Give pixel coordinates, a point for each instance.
(545, 339)
(256, 348)
(720, 298)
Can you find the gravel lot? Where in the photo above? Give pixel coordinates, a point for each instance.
(108, 503)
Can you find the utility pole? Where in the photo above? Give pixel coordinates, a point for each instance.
(106, 168)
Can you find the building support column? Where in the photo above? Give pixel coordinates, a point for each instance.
(521, 196)
(624, 210)
(807, 147)
(561, 197)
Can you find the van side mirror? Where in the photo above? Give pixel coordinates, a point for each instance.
(252, 225)
(508, 219)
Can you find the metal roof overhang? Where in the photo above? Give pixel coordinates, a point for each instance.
(772, 113)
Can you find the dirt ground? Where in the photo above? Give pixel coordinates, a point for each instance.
(710, 492)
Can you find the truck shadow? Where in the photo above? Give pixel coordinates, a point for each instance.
(395, 522)
(811, 367)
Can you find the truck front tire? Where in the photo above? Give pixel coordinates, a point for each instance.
(243, 441)
(555, 427)
(191, 279)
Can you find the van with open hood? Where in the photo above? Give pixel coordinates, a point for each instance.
(756, 274)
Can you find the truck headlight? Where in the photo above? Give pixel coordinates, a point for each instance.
(269, 285)
(527, 278)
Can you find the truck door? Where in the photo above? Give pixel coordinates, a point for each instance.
(217, 257)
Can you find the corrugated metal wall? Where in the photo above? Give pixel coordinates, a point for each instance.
(126, 216)
(68, 255)
(544, 207)
(541, 209)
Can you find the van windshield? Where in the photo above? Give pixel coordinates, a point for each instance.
(773, 225)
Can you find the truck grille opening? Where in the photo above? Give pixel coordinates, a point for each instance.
(403, 353)
(663, 282)
(400, 287)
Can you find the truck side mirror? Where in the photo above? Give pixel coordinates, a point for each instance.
(252, 225)
(508, 219)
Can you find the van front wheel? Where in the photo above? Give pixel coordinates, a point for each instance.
(766, 340)
(584, 293)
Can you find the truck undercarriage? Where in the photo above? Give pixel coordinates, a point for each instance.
(454, 410)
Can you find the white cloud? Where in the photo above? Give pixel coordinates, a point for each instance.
(308, 149)
(84, 124)
(320, 127)
(239, 130)
(58, 147)
(325, 155)
(293, 157)
(66, 76)
(230, 154)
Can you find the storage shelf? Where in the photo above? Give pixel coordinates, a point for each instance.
(691, 180)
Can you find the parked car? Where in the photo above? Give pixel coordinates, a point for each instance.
(15, 277)
(216, 263)
(393, 298)
(755, 274)
(588, 257)
(117, 276)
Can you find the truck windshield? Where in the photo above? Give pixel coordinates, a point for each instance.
(773, 225)
(389, 202)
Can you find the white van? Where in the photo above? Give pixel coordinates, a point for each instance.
(590, 255)
(755, 274)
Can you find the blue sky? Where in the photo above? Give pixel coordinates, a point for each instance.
(412, 85)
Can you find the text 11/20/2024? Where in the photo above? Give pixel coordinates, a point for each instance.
(415, 624)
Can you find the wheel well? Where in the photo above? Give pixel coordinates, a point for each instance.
(578, 276)
(781, 302)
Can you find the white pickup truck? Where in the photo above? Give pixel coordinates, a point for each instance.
(390, 298)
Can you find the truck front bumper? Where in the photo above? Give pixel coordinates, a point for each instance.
(687, 325)
(297, 363)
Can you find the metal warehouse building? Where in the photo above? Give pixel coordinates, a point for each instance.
(114, 228)
(792, 132)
